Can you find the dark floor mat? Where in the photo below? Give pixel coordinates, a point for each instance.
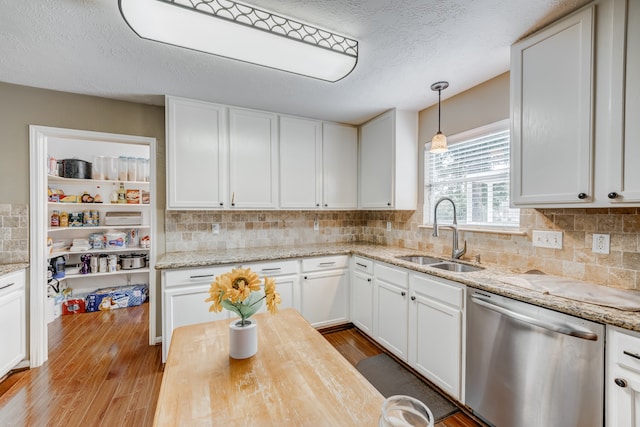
(391, 378)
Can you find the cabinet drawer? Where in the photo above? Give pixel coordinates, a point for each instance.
(438, 290)
(363, 265)
(392, 275)
(273, 268)
(193, 275)
(325, 263)
(11, 282)
(625, 349)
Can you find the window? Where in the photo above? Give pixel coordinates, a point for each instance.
(475, 174)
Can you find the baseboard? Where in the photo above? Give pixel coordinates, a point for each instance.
(336, 328)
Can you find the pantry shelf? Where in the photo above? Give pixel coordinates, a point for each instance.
(99, 227)
(97, 251)
(115, 273)
(59, 179)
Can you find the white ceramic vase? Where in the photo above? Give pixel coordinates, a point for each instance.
(243, 340)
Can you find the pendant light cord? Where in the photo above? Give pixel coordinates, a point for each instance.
(439, 92)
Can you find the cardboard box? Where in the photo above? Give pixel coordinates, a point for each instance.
(116, 297)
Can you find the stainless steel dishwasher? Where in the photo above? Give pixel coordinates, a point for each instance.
(527, 366)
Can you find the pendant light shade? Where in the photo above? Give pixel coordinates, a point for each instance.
(242, 32)
(439, 141)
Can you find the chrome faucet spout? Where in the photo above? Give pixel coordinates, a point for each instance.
(455, 252)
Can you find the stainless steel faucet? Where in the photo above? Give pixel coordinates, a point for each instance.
(455, 252)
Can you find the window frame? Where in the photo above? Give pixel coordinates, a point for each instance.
(458, 138)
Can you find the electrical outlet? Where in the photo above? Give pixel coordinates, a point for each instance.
(601, 244)
(547, 239)
(388, 225)
(316, 224)
(215, 228)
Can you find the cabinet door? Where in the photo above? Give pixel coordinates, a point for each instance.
(435, 339)
(362, 302)
(376, 162)
(624, 399)
(253, 162)
(288, 288)
(391, 317)
(626, 167)
(300, 152)
(196, 138)
(13, 331)
(184, 305)
(325, 298)
(339, 166)
(552, 114)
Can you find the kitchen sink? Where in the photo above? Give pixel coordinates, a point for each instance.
(420, 259)
(454, 266)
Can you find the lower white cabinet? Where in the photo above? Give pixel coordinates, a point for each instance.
(362, 294)
(325, 290)
(391, 308)
(183, 300)
(13, 321)
(436, 331)
(622, 378)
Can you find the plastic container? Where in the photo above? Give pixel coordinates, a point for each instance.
(132, 169)
(98, 169)
(111, 168)
(123, 171)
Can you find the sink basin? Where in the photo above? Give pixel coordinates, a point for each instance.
(458, 268)
(420, 259)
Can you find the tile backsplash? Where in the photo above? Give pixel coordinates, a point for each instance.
(14, 233)
(192, 230)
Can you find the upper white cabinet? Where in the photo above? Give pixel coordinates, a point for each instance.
(575, 99)
(624, 183)
(196, 140)
(388, 161)
(253, 159)
(300, 154)
(551, 102)
(339, 166)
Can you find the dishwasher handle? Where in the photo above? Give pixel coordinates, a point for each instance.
(554, 327)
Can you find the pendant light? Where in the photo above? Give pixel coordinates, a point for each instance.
(439, 141)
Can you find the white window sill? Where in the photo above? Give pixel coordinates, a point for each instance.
(490, 230)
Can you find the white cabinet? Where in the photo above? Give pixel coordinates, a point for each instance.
(362, 294)
(300, 168)
(436, 331)
(623, 378)
(575, 97)
(552, 111)
(13, 320)
(325, 290)
(183, 300)
(339, 166)
(388, 161)
(624, 174)
(253, 159)
(391, 308)
(196, 154)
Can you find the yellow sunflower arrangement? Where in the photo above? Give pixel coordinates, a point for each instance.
(239, 291)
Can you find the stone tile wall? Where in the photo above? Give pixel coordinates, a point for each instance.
(191, 230)
(14, 233)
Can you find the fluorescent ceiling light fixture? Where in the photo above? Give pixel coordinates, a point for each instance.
(237, 31)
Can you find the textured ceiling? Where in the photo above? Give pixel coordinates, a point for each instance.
(84, 46)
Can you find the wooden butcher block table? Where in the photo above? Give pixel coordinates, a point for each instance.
(296, 379)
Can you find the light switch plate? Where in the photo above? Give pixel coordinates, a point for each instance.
(215, 228)
(601, 243)
(547, 239)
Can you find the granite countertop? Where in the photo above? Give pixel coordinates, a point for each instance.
(486, 279)
(10, 268)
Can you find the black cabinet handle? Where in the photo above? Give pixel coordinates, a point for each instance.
(403, 293)
(620, 382)
(582, 196)
(389, 204)
(612, 195)
(317, 205)
(326, 205)
(628, 353)
(221, 204)
(413, 298)
(368, 280)
(305, 277)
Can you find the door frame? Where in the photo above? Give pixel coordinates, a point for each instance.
(38, 212)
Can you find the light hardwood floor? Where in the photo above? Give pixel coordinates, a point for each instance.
(102, 372)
